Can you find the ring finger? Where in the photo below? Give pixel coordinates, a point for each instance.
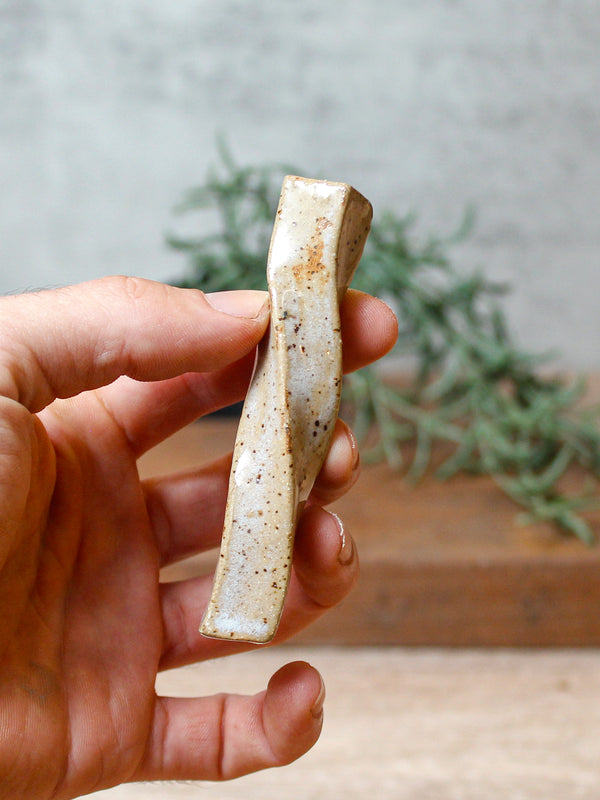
(186, 510)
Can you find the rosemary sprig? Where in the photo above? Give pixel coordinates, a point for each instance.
(245, 201)
(472, 389)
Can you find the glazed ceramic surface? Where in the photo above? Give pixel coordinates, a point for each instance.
(291, 406)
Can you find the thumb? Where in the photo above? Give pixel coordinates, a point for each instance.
(60, 342)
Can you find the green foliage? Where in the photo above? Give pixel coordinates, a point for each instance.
(472, 390)
(235, 254)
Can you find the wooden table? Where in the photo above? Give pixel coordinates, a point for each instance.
(441, 563)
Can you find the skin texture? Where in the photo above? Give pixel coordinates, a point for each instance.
(91, 377)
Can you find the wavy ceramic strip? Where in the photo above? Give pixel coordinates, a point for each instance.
(291, 406)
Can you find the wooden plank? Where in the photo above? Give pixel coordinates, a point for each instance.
(441, 563)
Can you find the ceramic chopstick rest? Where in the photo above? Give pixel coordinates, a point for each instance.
(291, 405)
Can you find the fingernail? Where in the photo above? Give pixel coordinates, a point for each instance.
(344, 450)
(346, 553)
(355, 450)
(244, 303)
(317, 707)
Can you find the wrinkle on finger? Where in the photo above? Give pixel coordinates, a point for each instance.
(150, 412)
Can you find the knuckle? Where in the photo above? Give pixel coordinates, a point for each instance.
(133, 289)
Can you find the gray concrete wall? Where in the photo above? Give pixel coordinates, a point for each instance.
(109, 111)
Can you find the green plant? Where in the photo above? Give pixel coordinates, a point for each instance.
(473, 394)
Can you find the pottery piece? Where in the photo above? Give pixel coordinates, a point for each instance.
(291, 406)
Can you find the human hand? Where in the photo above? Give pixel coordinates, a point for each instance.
(91, 377)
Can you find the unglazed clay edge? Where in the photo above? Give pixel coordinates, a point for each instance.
(291, 405)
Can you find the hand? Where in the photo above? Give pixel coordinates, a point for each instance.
(91, 377)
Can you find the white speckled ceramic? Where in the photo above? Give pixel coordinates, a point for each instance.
(291, 406)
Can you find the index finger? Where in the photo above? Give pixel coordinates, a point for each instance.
(61, 342)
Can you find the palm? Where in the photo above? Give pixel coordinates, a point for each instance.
(90, 607)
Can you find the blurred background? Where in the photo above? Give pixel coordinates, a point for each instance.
(110, 111)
